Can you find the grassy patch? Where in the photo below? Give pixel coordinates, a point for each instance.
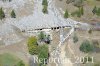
(8, 60)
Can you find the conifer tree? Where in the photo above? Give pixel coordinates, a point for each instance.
(94, 11)
(44, 2)
(66, 15)
(2, 15)
(13, 15)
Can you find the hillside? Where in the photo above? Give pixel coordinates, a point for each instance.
(87, 5)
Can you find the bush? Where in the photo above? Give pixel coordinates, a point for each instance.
(2, 15)
(32, 45)
(86, 46)
(13, 15)
(75, 39)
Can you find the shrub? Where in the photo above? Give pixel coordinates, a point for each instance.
(32, 45)
(75, 39)
(86, 46)
(43, 53)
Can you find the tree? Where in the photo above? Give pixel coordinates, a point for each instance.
(98, 12)
(13, 15)
(66, 15)
(41, 36)
(44, 2)
(43, 53)
(2, 15)
(86, 46)
(44, 10)
(94, 11)
(32, 45)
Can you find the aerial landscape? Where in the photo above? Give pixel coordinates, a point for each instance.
(49, 32)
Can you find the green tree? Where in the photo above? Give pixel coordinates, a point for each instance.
(66, 15)
(86, 46)
(44, 10)
(44, 2)
(13, 15)
(41, 36)
(32, 45)
(94, 11)
(98, 12)
(43, 53)
(2, 15)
